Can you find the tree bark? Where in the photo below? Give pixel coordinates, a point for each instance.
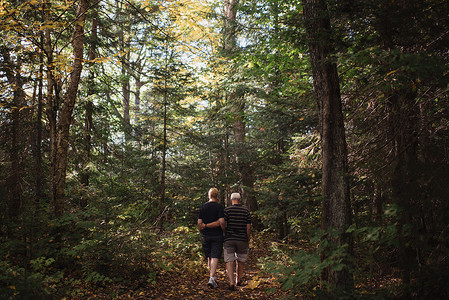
(238, 103)
(124, 44)
(16, 129)
(52, 101)
(164, 154)
(37, 148)
(403, 119)
(61, 134)
(336, 213)
(88, 122)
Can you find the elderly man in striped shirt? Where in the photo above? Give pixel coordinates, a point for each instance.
(236, 241)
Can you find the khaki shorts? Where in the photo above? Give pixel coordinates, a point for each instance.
(235, 250)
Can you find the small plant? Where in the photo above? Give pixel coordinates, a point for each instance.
(300, 270)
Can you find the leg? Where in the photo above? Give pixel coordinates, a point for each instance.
(230, 272)
(213, 264)
(242, 255)
(240, 269)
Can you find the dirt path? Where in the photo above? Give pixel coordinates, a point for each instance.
(257, 285)
(185, 285)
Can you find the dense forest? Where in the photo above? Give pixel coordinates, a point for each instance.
(331, 118)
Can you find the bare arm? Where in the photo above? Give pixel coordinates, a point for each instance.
(222, 224)
(200, 224)
(214, 223)
(248, 231)
(219, 223)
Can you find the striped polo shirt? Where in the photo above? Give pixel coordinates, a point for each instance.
(236, 217)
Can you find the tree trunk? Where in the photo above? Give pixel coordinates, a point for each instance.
(403, 119)
(52, 105)
(61, 134)
(377, 204)
(16, 149)
(164, 154)
(238, 103)
(336, 211)
(37, 144)
(125, 29)
(88, 122)
(139, 85)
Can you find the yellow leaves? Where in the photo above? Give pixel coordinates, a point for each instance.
(188, 20)
(181, 229)
(99, 60)
(253, 284)
(17, 18)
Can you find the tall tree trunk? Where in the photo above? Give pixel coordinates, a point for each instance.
(164, 154)
(14, 180)
(88, 123)
(37, 148)
(377, 204)
(61, 134)
(404, 122)
(238, 103)
(125, 29)
(336, 212)
(403, 119)
(52, 101)
(126, 90)
(137, 96)
(139, 85)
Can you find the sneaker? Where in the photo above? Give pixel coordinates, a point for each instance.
(212, 283)
(240, 283)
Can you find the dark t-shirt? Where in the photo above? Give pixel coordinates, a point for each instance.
(237, 217)
(211, 212)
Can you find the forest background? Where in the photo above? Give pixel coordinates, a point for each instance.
(330, 117)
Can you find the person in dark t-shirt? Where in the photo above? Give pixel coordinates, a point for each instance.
(211, 226)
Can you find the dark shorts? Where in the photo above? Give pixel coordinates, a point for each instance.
(212, 245)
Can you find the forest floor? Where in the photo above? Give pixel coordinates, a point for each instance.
(257, 285)
(193, 285)
(187, 282)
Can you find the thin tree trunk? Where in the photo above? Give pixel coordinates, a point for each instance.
(377, 203)
(88, 122)
(52, 104)
(37, 151)
(139, 85)
(126, 90)
(336, 211)
(164, 154)
(125, 75)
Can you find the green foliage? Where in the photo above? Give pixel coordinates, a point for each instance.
(180, 252)
(300, 270)
(289, 200)
(385, 51)
(28, 269)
